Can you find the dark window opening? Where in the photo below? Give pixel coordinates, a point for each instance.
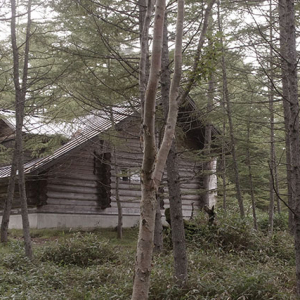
(130, 175)
(102, 168)
(125, 175)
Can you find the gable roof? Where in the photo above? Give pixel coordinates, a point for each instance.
(93, 125)
(90, 126)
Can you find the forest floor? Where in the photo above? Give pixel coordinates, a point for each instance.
(227, 261)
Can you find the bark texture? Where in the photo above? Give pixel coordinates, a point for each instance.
(141, 282)
(177, 224)
(152, 166)
(289, 74)
(20, 97)
(178, 233)
(272, 163)
(286, 106)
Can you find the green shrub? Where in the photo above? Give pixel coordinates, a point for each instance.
(280, 222)
(81, 250)
(226, 261)
(237, 236)
(230, 234)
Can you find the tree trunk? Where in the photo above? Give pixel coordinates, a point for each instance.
(231, 131)
(178, 234)
(223, 154)
(141, 282)
(277, 186)
(117, 176)
(289, 68)
(272, 142)
(232, 140)
(22, 191)
(291, 57)
(250, 178)
(145, 11)
(207, 138)
(192, 78)
(20, 96)
(286, 107)
(153, 166)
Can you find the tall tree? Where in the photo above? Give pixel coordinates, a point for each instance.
(231, 129)
(21, 87)
(173, 178)
(282, 9)
(289, 72)
(153, 162)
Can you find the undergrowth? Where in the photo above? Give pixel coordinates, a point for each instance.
(80, 249)
(229, 260)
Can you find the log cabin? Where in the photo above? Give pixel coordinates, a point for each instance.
(77, 186)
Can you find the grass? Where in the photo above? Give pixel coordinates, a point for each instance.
(227, 261)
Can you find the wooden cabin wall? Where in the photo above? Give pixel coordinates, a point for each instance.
(71, 186)
(72, 183)
(3, 195)
(33, 192)
(129, 156)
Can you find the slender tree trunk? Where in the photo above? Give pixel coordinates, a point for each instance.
(23, 197)
(251, 178)
(178, 234)
(272, 142)
(21, 90)
(145, 11)
(231, 131)
(277, 186)
(117, 170)
(153, 162)
(141, 282)
(294, 124)
(232, 140)
(286, 107)
(207, 138)
(289, 55)
(197, 56)
(223, 154)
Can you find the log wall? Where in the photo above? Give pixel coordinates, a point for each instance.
(71, 186)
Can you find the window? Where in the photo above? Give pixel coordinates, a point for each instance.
(131, 176)
(102, 168)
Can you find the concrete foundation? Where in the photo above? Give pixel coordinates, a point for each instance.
(42, 220)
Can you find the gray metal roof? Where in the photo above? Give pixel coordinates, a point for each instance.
(92, 126)
(37, 124)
